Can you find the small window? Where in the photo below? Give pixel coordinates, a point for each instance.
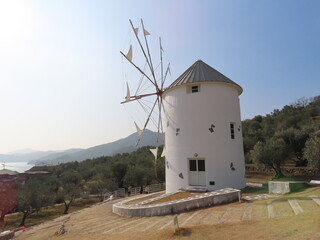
(201, 166)
(232, 130)
(193, 89)
(193, 165)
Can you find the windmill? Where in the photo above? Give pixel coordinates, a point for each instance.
(154, 109)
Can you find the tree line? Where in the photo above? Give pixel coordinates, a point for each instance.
(291, 133)
(69, 181)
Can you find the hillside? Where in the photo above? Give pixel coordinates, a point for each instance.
(295, 124)
(125, 145)
(239, 220)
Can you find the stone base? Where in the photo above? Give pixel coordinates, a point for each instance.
(278, 187)
(6, 235)
(208, 199)
(195, 190)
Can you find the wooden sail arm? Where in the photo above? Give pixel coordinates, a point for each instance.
(146, 123)
(145, 55)
(150, 59)
(165, 76)
(138, 68)
(137, 97)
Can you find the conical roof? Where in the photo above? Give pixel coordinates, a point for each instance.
(202, 72)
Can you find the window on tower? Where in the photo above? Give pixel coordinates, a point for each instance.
(232, 130)
(193, 89)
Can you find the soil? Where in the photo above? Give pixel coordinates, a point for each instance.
(173, 197)
(142, 199)
(245, 220)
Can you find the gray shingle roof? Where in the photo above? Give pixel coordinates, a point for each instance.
(202, 72)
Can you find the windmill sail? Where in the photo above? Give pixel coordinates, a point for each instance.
(150, 76)
(154, 152)
(128, 94)
(129, 54)
(163, 154)
(136, 30)
(139, 131)
(161, 48)
(145, 32)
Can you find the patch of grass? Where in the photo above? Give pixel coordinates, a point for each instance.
(46, 214)
(255, 190)
(284, 179)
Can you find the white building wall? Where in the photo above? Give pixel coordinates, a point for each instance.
(193, 114)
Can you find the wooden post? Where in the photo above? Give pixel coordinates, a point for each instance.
(175, 223)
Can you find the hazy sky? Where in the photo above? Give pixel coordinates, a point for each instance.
(62, 76)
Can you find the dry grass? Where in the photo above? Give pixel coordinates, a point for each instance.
(173, 197)
(13, 220)
(258, 177)
(99, 223)
(289, 228)
(142, 199)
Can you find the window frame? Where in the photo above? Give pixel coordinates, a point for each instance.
(194, 88)
(232, 130)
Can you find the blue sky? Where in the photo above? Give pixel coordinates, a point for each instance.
(62, 76)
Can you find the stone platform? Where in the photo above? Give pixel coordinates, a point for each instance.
(143, 209)
(279, 187)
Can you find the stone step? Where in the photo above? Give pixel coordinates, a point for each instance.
(295, 206)
(271, 212)
(189, 218)
(247, 214)
(225, 216)
(316, 199)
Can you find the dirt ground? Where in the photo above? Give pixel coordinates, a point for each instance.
(245, 220)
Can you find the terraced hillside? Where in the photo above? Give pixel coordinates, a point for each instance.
(291, 216)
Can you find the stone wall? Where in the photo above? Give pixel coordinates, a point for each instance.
(285, 187)
(290, 171)
(222, 196)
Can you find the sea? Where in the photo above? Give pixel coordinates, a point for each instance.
(17, 166)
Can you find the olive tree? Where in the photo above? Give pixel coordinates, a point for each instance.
(312, 152)
(70, 188)
(271, 154)
(31, 197)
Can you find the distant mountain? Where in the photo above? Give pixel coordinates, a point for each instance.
(52, 156)
(23, 157)
(127, 144)
(22, 151)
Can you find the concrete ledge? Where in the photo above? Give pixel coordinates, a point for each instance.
(248, 184)
(285, 187)
(315, 182)
(6, 235)
(222, 196)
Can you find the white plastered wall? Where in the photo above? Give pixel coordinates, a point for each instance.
(193, 114)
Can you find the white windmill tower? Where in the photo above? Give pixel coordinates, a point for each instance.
(204, 147)
(203, 140)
